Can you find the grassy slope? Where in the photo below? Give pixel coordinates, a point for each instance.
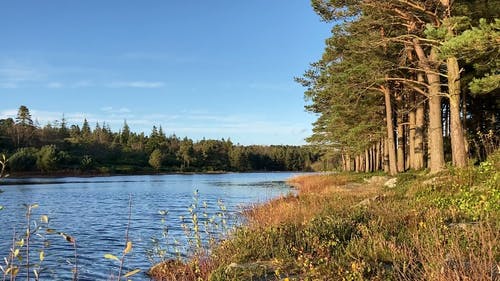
(342, 227)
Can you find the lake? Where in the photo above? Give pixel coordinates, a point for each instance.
(95, 212)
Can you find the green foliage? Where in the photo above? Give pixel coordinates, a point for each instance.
(477, 199)
(24, 159)
(486, 84)
(87, 163)
(436, 33)
(156, 159)
(24, 116)
(130, 152)
(478, 46)
(47, 158)
(395, 48)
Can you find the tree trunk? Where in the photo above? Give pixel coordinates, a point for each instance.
(344, 163)
(412, 124)
(459, 154)
(348, 162)
(367, 160)
(358, 163)
(385, 157)
(391, 150)
(381, 155)
(418, 158)
(436, 149)
(401, 138)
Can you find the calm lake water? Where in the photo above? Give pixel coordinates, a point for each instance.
(95, 211)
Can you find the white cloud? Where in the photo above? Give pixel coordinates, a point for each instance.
(110, 109)
(8, 113)
(82, 84)
(136, 84)
(8, 85)
(13, 73)
(55, 85)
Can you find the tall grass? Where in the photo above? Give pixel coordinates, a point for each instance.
(441, 227)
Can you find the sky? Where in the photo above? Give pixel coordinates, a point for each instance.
(202, 69)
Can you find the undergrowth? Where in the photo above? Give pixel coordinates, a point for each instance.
(337, 227)
(428, 227)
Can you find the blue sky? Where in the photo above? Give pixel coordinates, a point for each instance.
(214, 69)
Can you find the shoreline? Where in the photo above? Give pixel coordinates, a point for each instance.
(362, 227)
(28, 175)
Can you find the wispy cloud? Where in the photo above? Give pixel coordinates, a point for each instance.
(14, 73)
(8, 85)
(20, 73)
(110, 109)
(82, 84)
(136, 84)
(55, 85)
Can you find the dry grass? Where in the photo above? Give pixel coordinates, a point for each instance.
(315, 194)
(198, 268)
(459, 252)
(336, 228)
(318, 183)
(398, 236)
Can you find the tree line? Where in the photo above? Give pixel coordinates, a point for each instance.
(406, 84)
(63, 148)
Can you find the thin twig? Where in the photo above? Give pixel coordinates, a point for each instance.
(75, 270)
(122, 261)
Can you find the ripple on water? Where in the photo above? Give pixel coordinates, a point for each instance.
(95, 211)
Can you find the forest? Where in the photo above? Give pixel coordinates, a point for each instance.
(406, 84)
(60, 148)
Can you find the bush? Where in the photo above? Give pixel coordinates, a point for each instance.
(87, 163)
(24, 159)
(47, 159)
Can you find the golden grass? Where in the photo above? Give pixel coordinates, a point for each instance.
(318, 183)
(435, 250)
(335, 228)
(315, 193)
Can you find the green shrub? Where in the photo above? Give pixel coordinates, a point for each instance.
(47, 158)
(24, 159)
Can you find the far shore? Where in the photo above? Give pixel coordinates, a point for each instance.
(91, 174)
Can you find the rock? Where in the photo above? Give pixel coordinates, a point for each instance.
(436, 180)
(391, 183)
(376, 180)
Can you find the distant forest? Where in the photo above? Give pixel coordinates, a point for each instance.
(60, 148)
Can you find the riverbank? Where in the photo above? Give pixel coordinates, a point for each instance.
(364, 227)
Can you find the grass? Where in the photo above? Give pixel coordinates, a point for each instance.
(344, 227)
(339, 227)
